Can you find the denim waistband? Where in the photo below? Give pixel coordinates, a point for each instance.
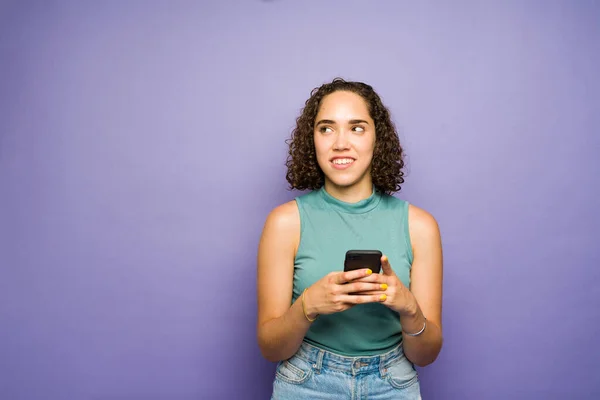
(320, 358)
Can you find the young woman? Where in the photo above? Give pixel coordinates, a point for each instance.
(357, 334)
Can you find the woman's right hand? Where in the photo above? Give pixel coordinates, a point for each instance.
(337, 292)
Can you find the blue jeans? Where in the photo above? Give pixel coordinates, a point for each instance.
(313, 373)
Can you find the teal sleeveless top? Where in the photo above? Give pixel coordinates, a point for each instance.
(329, 228)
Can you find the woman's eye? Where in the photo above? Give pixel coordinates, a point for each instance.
(325, 129)
(358, 129)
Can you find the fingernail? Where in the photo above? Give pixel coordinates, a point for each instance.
(382, 297)
(385, 258)
(369, 272)
(383, 286)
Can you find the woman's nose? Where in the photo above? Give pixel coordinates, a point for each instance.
(341, 141)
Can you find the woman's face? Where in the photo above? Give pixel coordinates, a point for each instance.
(344, 136)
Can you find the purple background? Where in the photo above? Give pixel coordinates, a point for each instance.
(142, 146)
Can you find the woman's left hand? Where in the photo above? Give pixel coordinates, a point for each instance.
(397, 296)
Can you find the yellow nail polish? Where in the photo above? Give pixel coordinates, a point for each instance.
(382, 297)
(369, 272)
(383, 286)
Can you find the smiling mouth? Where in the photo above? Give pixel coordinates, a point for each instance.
(342, 161)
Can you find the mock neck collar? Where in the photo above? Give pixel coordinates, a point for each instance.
(359, 207)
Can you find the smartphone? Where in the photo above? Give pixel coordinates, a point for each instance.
(358, 259)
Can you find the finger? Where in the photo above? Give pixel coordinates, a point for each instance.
(376, 293)
(386, 267)
(348, 276)
(363, 299)
(359, 287)
(374, 278)
(378, 288)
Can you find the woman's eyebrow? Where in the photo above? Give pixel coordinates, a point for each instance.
(352, 121)
(326, 121)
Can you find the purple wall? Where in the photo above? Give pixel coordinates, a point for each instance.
(142, 146)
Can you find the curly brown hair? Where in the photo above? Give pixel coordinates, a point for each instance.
(303, 171)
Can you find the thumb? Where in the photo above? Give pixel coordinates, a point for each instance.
(386, 267)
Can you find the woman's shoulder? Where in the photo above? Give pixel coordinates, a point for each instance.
(282, 228)
(284, 218)
(422, 223)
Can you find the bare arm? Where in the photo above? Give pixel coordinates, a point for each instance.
(280, 328)
(426, 287)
